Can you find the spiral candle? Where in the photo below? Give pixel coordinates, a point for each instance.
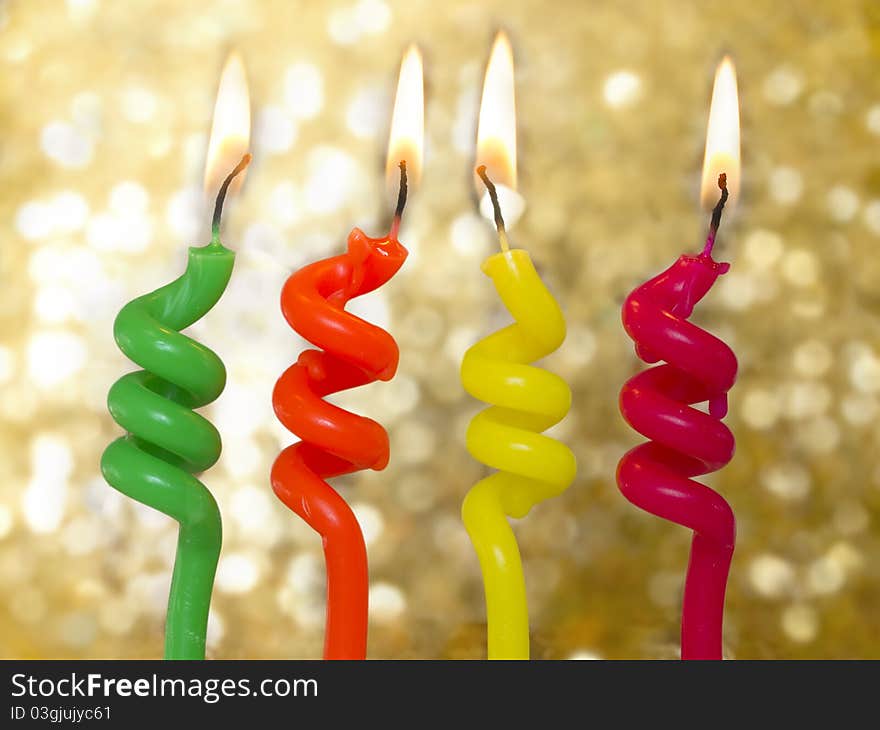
(525, 401)
(334, 441)
(684, 441)
(166, 441)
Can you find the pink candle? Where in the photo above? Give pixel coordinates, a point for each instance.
(684, 442)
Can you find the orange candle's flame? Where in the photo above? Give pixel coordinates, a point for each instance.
(231, 127)
(406, 141)
(496, 128)
(722, 139)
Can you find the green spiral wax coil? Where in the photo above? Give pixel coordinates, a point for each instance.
(167, 442)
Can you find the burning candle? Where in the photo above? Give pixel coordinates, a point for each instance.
(167, 442)
(352, 353)
(685, 442)
(525, 400)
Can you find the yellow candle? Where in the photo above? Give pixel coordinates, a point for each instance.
(525, 400)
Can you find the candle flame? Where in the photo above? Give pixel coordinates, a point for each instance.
(722, 138)
(496, 128)
(406, 141)
(231, 127)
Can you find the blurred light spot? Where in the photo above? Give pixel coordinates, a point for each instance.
(241, 457)
(303, 90)
(800, 623)
(872, 216)
(116, 616)
(872, 119)
(237, 573)
(760, 408)
(860, 410)
(86, 110)
(69, 211)
(864, 372)
(138, 105)
(825, 103)
(414, 442)
(301, 596)
(622, 88)
(584, 655)
(237, 413)
(216, 629)
(129, 198)
(53, 357)
(373, 16)
(580, 345)
(820, 435)
(783, 85)
(285, 203)
(458, 341)
(824, 576)
(81, 536)
(33, 220)
(470, 235)
(843, 203)
(7, 364)
(771, 576)
(44, 499)
(800, 267)
(367, 112)
(370, 520)
(130, 233)
(251, 508)
(66, 145)
(77, 629)
(763, 248)
(846, 556)
(185, 212)
(81, 9)
(373, 308)
(6, 521)
(387, 602)
(65, 213)
(400, 395)
(329, 184)
(738, 290)
(804, 399)
(54, 304)
(787, 480)
(342, 26)
(786, 185)
(267, 240)
(812, 358)
(275, 130)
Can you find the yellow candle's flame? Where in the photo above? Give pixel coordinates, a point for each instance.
(496, 128)
(407, 138)
(231, 127)
(722, 139)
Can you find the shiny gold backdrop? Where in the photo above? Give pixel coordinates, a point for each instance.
(105, 110)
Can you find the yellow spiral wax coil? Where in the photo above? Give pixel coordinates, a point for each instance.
(525, 400)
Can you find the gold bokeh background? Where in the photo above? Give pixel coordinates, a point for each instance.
(105, 109)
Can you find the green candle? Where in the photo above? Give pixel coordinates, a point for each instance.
(166, 441)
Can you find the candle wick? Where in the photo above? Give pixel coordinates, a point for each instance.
(401, 202)
(496, 207)
(221, 196)
(716, 215)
